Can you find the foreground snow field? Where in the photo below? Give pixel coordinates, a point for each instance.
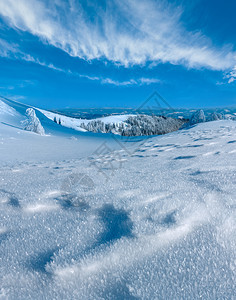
(154, 220)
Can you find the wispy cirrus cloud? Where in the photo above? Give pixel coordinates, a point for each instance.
(131, 32)
(13, 52)
(8, 50)
(131, 82)
(231, 76)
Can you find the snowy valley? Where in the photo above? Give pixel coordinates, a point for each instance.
(87, 215)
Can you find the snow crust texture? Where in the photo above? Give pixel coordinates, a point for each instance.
(160, 224)
(146, 219)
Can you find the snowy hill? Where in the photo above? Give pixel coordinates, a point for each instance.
(8, 113)
(18, 144)
(146, 219)
(125, 125)
(75, 123)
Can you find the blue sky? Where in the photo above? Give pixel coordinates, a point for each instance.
(115, 53)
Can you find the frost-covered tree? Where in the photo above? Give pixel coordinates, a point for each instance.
(151, 125)
(215, 117)
(136, 126)
(33, 123)
(197, 117)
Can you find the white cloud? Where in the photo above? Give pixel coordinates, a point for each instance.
(125, 32)
(102, 80)
(131, 82)
(7, 50)
(149, 80)
(231, 76)
(110, 81)
(13, 52)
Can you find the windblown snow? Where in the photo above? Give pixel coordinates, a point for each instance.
(92, 216)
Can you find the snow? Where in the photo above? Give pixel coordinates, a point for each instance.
(215, 116)
(6, 110)
(76, 123)
(33, 124)
(9, 114)
(197, 117)
(149, 219)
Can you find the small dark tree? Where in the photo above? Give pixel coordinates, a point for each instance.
(55, 119)
(59, 121)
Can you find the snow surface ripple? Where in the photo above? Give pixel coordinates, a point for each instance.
(161, 225)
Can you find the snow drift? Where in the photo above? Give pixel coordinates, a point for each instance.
(154, 220)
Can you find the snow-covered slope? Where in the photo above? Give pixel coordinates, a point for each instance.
(9, 114)
(145, 220)
(75, 123)
(16, 144)
(123, 125)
